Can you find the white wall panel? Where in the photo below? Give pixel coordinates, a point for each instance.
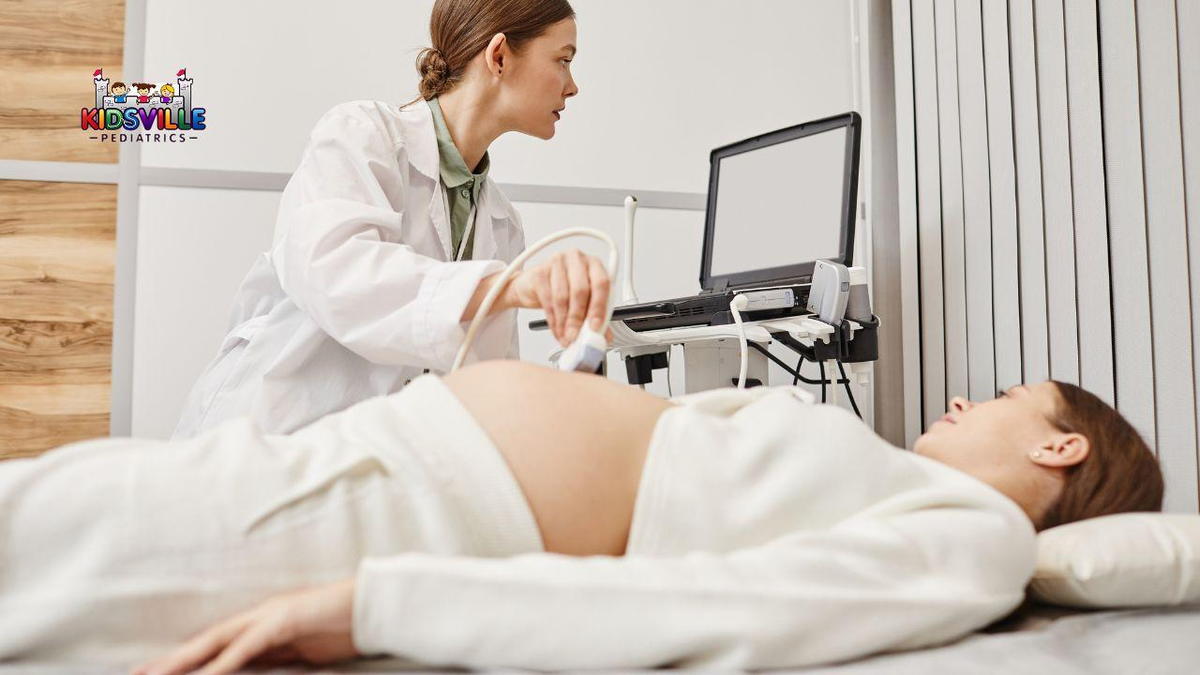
(1056, 190)
(194, 247)
(929, 212)
(1158, 59)
(906, 158)
(977, 217)
(656, 93)
(1127, 216)
(1035, 337)
(1002, 174)
(1090, 214)
(664, 82)
(1188, 37)
(953, 235)
(266, 71)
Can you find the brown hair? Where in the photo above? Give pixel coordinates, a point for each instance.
(1120, 472)
(460, 29)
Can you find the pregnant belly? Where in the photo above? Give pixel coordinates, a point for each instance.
(575, 443)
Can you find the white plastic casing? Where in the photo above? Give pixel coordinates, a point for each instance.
(586, 353)
(776, 298)
(829, 292)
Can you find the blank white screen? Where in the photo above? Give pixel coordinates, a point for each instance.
(780, 205)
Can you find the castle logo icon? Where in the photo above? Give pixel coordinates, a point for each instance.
(151, 113)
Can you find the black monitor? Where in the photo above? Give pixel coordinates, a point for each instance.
(779, 201)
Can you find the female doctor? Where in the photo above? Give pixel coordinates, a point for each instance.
(390, 232)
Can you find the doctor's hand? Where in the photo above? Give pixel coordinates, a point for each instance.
(309, 626)
(571, 287)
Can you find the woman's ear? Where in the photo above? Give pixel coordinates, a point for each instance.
(493, 54)
(1062, 451)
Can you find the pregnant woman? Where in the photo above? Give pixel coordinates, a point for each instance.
(509, 515)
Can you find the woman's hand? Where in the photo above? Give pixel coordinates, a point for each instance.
(571, 287)
(311, 626)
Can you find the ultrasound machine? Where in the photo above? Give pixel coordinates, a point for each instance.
(776, 204)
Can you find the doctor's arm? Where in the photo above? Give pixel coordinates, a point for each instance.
(571, 287)
(341, 258)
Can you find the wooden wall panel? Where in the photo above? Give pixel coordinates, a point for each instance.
(56, 276)
(48, 51)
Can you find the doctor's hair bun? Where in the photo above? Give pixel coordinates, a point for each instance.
(462, 29)
(435, 72)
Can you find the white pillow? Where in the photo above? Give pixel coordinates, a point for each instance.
(1122, 560)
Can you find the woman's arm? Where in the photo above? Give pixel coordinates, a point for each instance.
(926, 572)
(900, 581)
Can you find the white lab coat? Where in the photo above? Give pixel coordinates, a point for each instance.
(358, 294)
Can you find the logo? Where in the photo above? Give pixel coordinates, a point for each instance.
(152, 113)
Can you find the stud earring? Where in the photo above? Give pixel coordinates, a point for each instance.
(1036, 454)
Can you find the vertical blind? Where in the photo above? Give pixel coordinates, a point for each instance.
(1052, 149)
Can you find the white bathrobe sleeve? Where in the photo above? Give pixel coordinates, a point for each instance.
(340, 258)
(898, 581)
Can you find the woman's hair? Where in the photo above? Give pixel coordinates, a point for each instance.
(460, 29)
(1120, 472)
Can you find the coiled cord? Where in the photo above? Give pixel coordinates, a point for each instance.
(494, 292)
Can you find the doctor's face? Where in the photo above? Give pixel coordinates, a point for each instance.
(539, 81)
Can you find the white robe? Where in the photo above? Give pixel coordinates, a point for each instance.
(358, 294)
(768, 532)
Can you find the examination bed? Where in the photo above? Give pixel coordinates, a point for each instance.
(1035, 639)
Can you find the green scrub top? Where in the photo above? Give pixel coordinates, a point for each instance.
(462, 186)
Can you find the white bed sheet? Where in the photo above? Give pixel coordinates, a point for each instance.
(1117, 642)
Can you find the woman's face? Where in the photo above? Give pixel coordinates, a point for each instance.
(994, 436)
(538, 81)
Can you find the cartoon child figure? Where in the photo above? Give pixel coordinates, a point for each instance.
(143, 89)
(166, 92)
(118, 91)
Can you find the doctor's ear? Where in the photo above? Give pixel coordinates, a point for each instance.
(493, 54)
